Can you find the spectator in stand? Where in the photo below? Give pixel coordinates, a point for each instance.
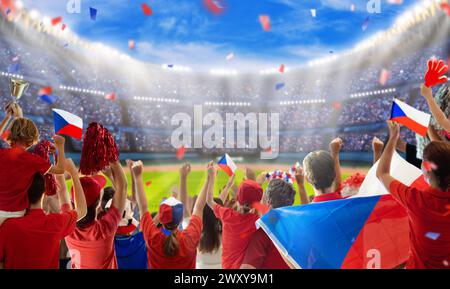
(33, 241)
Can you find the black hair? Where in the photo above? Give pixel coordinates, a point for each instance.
(37, 189)
(210, 240)
(280, 193)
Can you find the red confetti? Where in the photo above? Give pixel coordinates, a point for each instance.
(384, 76)
(56, 20)
(337, 105)
(445, 7)
(180, 152)
(148, 183)
(265, 22)
(146, 9)
(131, 44)
(214, 6)
(281, 69)
(45, 91)
(63, 27)
(111, 96)
(268, 150)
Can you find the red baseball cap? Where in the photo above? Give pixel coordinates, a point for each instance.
(249, 192)
(92, 187)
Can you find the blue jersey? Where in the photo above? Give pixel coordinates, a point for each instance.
(131, 251)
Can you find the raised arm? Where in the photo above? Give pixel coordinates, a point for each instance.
(384, 166)
(79, 198)
(206, 194)
(300, 180)
(141, 198)
(437, 113)
(184, 172)
(120, 185)
(58, 169)
(335, 148)
(4, 123)
(224, 193)
(377, 147)
(133, 182)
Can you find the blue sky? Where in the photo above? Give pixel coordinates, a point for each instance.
(184, 32)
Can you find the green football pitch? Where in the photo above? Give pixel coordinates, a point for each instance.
(163, 181)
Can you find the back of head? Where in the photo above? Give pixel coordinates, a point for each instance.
(212, 229)
(438, 153)
(108, 194)
(248, 193)
(23, 131)
(37, 189)
(170, 216)
(279, 193)
(319, 169)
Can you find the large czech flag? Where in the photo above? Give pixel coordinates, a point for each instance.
(369, 230)
(227, 164)
(67, 123)
(412, 118)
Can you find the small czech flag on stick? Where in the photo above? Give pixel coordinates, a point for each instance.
(410, 117)
(227, 165)
(67, 123)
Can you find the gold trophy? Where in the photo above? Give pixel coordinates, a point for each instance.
(18, 88)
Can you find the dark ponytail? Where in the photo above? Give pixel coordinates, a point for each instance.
(171, 246)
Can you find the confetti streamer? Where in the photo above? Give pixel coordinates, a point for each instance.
(433, 236)
(93, 13)
(146, 9)
(180, 152)
(313, 13)
(279, 86)
(214, 6)
(56, 20)
(365, 24)
(265, 22)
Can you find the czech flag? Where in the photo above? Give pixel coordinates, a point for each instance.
(369, 230)
(227, 164)
(67, 123)
(412, 118)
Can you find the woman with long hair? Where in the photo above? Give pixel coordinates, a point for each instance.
(168, 247)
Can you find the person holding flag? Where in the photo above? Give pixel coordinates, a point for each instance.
(428, 208)
(239, 224)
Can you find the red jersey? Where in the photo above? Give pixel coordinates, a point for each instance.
(93, 247)
(33, 241)
(236, 234)
(17, 168)
(262, 254)
(188, 240)
(429, 224)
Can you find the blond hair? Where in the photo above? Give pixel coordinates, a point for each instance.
(24, 131)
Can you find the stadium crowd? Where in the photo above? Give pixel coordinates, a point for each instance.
(102, 227)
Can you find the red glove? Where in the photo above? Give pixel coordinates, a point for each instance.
(434, 75)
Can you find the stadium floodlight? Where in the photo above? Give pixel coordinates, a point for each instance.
(18, 4)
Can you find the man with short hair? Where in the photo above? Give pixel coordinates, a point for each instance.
(33, 241)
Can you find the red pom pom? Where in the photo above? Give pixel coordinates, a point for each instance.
(355, 180)
(99, 149)
(44, 149)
